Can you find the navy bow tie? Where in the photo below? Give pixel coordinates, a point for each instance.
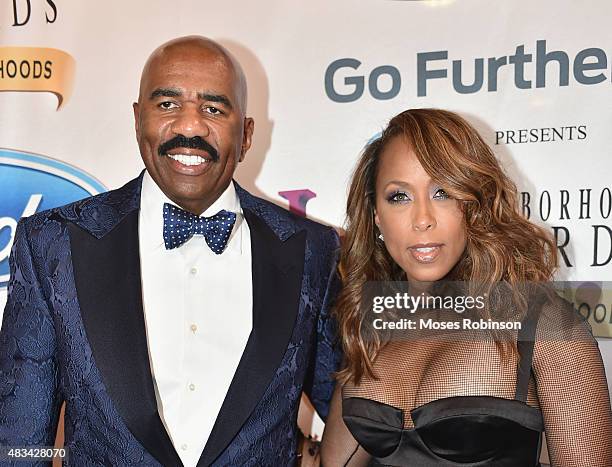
(180, 226)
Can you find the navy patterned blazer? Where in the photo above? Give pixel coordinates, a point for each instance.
(73, 330)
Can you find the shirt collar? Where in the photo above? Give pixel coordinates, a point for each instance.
(152, 200)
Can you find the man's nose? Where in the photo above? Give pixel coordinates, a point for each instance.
(190, 122)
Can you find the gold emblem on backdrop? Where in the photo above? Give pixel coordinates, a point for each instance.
(37, 69)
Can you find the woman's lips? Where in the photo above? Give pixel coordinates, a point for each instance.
(426, 253)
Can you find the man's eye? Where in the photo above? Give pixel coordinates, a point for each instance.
(212, 110)
(398, 197)
(441, 194)
(167, 105)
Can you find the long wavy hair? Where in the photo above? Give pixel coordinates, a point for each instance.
(501, 244)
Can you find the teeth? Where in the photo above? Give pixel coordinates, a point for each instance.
(188, 159)
(425, 250)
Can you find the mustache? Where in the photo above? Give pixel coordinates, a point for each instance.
(180, 141)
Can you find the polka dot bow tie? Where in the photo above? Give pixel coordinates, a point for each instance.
(180, 226)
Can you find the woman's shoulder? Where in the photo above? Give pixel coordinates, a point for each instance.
(558, 319)
(564, 341)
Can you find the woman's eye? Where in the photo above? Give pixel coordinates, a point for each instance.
(441, 194)
(398, 197)
(167, 105)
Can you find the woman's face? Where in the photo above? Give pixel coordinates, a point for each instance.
(423, 228)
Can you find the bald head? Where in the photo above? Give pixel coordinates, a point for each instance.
(195, 49)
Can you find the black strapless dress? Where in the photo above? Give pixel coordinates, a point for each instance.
(467, 431)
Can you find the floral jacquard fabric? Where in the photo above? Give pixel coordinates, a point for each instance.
(46, 357)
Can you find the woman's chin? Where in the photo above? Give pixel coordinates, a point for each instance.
(425, 276)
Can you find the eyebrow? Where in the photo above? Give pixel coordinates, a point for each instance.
(166, 92)
(221, 98)
(204, 96)
(409, 186)
(398, 182)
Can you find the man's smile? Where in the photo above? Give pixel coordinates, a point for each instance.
(189, 159)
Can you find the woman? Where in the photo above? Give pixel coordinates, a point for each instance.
(429, 202)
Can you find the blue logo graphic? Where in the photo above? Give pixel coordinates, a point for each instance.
(30, 183)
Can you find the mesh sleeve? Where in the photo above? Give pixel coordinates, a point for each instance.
(572, 390)
(338, 447)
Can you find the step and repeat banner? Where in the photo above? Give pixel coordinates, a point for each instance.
(535, 78)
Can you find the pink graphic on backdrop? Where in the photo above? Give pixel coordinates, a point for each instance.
(298, 200)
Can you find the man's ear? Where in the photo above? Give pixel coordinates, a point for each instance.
(247, 137)
(136, 109)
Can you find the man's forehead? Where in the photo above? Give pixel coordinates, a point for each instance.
(182, 62)
(194, 57)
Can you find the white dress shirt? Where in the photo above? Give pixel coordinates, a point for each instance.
(198, 316)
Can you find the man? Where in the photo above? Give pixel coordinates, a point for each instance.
(179, 317)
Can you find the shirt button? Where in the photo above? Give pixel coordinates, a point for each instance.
(184, 447)
(193, 328)
(193, 271)
(192, 387)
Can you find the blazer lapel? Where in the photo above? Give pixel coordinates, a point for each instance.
(277, 267)
(106, 268)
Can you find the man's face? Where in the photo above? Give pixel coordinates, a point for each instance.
(190, 124)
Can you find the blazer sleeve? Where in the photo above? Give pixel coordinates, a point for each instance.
(319, 386)
(29, 399)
